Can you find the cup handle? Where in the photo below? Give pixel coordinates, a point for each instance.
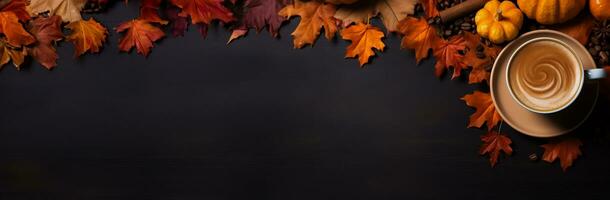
(595, 73)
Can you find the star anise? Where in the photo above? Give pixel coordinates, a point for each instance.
(601, 30)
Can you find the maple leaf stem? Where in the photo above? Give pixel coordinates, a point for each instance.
(500, 126)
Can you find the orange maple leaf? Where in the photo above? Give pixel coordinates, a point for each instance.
(149, 10)
(87, 35)
(418, 35)
(9, 52)
(566, 149)
(13, 30)
(139, 34)
(430, 8)
(203, 11)
(19, 8)
(314, 16)
(493, 143)
(479, 71)
(365, 38)
(485, 110)
(447, 54)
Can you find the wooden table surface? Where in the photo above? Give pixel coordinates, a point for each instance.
(257, 119)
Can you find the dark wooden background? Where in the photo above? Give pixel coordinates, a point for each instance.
(256, 119)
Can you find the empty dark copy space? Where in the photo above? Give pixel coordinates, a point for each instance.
(257, 119)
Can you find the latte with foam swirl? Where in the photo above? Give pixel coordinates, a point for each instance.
(545, 75)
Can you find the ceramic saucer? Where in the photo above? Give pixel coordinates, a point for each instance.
(535, 124)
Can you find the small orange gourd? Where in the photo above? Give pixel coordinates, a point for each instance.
(499, 22)
(600, 9)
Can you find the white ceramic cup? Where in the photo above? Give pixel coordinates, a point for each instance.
(590, 74)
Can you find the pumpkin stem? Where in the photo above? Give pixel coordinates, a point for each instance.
(498, 15)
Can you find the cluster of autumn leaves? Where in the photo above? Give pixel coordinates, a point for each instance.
(31, 27)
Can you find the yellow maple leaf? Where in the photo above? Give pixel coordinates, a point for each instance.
(69, 10)
(87, 35)
(365, 38)
(314, 15)
(390, 12)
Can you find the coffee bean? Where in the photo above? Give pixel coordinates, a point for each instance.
(533, 157)
(603, 57)
(592, 51)
(595, 40)
(458, 26)
(466, 26)
(598, 48)
(437, 20)
(489, 67)
(457, 22)
(447, 33)
(480, 48)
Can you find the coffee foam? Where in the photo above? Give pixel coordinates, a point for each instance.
(544, 75)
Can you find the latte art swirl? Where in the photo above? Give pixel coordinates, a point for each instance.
(544, 75)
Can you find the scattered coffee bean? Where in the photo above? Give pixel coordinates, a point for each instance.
(603, 57)
(533, 157)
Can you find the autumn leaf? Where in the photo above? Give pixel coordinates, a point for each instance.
(447, 54)
(566, 149)
(9, 52)
(86, 35)
(69, 10)
(314, 15)
(149, 11)
(485, 110)
(258, 14)
(579, 28)
(13, 30)
(430, 8)
(390, 12)
(418, 35)
(46, 30)
(19, 8)
(203, 11)
(177, 23)
(365, 38)
(493, 144)
(139, 34)
(480, 66)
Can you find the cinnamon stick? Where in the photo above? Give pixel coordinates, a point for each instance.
(461, 10)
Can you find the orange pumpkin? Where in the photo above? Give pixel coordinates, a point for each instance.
(600, 9)
(551, 11)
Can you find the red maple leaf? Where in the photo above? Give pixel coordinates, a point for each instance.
(258, 14)
(19, 8)
(149, 11)
(447, 54)
(493, 144)
(203, 11)
(566, 149)
(139, 34)
(46, 30)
